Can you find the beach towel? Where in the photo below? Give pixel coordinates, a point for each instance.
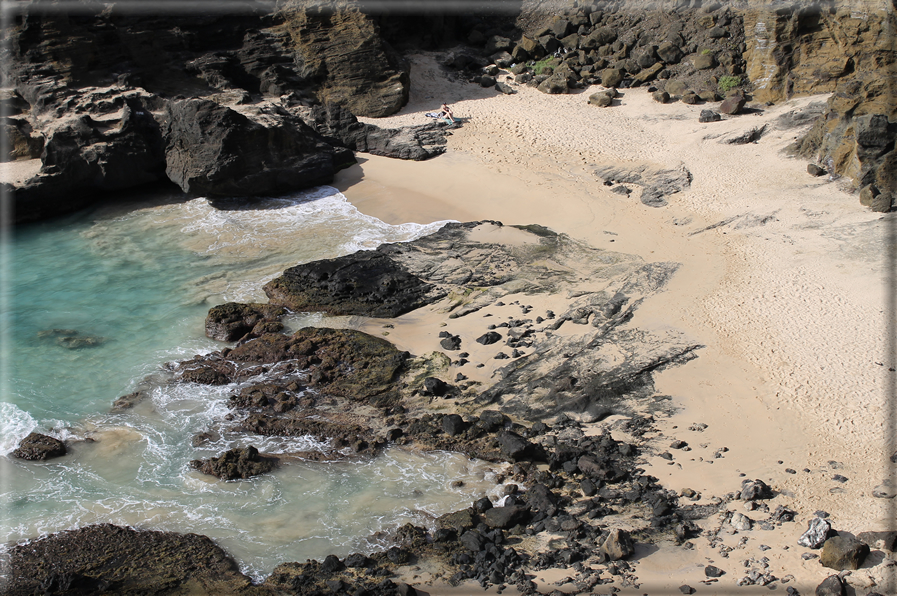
(433, 114)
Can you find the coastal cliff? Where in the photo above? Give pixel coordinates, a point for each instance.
(95, 96)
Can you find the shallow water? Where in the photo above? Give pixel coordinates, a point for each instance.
(99, 301)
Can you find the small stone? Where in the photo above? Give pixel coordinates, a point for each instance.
(817, 531)
(709, 116)
(686, 589)
(814, 170)
(712, 571)
(488, 338)
(755, 489)
(741, 522)
(678, 444)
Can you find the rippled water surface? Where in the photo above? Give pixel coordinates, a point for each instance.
(99, 301)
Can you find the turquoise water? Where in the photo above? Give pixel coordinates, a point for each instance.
(98, 302)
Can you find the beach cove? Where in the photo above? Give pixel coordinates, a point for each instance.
(695, 359)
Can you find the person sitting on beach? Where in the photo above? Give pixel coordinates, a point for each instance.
(447, 113)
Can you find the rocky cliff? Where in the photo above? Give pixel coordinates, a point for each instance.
(220, 105)
(104, 99)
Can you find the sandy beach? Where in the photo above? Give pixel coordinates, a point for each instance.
(782, 281)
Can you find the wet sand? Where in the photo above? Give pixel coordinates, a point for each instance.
(782, 281)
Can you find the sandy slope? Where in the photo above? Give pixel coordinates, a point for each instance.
(782, 281)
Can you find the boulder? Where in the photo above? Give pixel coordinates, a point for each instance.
(217, 151)
(540, 498)
(741, 522)
(843, 552)
(600, 99)
(453, 424)
(504, 88)
(732, 104)
(459, 521)
(814, 170)
(38, 447)
(831, 586)
(434, 386)
(236, 463)
(83, 158)
(647, 74)
(513, 446)
(669, 52)
(676, 88)
(661, 96)
(489, 338)
(689, 97)
(708, 116)
(611, 77)
(554, 85)
(233, 320)
(704, 61)
(617, 545)
(505, 517)
(755, 489)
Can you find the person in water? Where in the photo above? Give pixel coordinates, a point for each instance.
(447, 113)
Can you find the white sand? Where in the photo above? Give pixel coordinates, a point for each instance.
(787, 296)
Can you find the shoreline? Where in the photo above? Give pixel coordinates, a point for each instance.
(751, 240)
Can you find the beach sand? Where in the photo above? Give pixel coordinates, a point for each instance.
(782, 280)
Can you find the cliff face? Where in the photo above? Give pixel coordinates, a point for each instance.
(847, 49)
(344, 54)
(79, 87)
(219, 105)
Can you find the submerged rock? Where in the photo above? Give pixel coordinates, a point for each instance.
(38, 447)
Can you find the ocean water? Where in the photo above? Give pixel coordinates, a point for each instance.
(98, 302)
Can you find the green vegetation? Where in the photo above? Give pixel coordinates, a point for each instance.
(728, 82)
(541, 65)
(706, 51)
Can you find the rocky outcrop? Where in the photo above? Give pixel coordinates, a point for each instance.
(100, 99)
(234, 320)
(343, 52)
(340, 127)
(38, 447)
(364, 283)
(107, 559)
(215, 150)
(236, 464)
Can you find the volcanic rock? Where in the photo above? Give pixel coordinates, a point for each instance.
(236, 463)
(38, 447)
(110, 559)
(233, 320)
(843, 552)
(218, 151)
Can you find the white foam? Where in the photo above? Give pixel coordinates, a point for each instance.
(15, 425)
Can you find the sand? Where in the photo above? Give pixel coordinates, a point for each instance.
(782, 280)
